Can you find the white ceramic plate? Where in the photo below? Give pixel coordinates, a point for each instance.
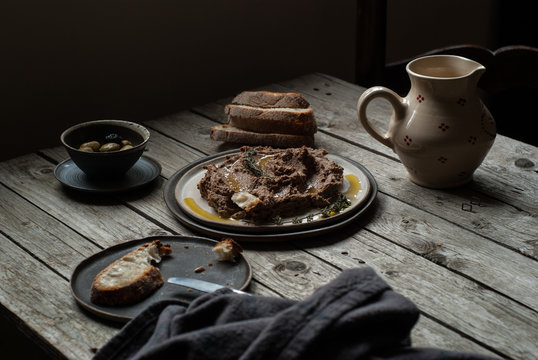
(356, 187)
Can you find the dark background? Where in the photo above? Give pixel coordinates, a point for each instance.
(65, 62)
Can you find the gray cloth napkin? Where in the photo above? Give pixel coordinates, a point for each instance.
(356, 316)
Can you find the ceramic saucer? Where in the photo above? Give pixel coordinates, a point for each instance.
(144, 171)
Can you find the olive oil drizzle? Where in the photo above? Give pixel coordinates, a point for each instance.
(230, 178)
(344, 201)
(354, 187)
(194, 207)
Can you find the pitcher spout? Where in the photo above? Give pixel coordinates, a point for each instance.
(445, 67)
(477, 72)
(445, 74)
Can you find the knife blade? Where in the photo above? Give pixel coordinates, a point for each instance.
(201, 285)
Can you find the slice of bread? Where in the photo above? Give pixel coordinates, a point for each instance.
(130, 278)
(235, 135)
(267, 99)
(272, 120)
(227, 250)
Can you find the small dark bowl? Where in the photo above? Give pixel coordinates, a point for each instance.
(105, 164)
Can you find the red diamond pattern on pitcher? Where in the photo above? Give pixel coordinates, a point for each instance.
(407, 140)
(472, 140)
(420, 98)
(462, 101)
(443, 127)
(442, 159)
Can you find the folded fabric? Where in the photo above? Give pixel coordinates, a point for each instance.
(356, 316)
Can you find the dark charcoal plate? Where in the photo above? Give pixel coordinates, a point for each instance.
(144, 171)
(188, 253)
(264, 233)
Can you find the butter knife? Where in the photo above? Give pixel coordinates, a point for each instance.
(201, 285)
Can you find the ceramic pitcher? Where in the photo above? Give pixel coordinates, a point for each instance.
(441, 131)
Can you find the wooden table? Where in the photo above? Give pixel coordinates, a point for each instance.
(473, 274)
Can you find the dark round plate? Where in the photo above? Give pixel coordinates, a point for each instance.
(144, 171)
(188, 253)
(263, 233)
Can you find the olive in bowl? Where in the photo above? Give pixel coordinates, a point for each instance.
(105, 148)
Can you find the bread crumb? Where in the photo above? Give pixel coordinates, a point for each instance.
(199, 269)
(227, 250)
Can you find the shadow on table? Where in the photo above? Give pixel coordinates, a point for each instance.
(112, 198)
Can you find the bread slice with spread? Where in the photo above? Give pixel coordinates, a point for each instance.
(131, 278)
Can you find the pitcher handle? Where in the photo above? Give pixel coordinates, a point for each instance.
(397, 103)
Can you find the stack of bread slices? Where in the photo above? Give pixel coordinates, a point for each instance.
(268, 118)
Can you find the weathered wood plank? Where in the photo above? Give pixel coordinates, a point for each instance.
(42, 224)
(153, 206)
(40, 234)
(506, 224)
(454, 300)
(386, 220)
(57, 246)
(287, 276)
(32, 177)
(266, 258)
(192, 129)
(423, 243)
(429, 334)
(463, 251)
(338, 116)
(498, 176)
(43, 301)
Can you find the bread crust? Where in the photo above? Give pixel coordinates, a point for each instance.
(227, 250)
(232, 134)
(145, 283)
(280, 120)
(268, 99)
(265, 120)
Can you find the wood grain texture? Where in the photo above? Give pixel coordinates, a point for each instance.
(519, 219)
(103, 219)
(42, 235)
(507, 182)
(472, 273)
(271, 263)
(44, 303)
(463, 250)
(454, 253)
(439, 293)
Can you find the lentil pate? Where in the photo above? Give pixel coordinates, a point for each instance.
(260, 183)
